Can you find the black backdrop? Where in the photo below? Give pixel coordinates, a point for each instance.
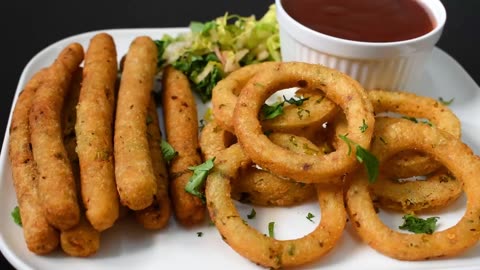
(30, 27)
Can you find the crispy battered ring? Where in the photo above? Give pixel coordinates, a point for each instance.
(454, 155)
(412, 163)
(225, 96)
(438, 190)
(252, 244)
(339, 88)
(257, 186)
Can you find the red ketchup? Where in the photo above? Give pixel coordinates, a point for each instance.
(362, 20)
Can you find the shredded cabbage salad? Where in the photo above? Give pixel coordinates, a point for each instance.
(211, 50)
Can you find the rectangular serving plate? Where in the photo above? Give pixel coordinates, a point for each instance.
(127, 245)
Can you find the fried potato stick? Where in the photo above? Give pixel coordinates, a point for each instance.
(134, 174)
(94, 131)
(181, 126)
(56, 183)
(41, 237)
(82, 240)
(156, 216)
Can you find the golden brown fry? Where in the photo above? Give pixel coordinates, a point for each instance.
(156, 216)
(41, 238)
(438, 190)
(181, 126)
(94, 130)
(56, 183)
(134, 174)
(80, 241)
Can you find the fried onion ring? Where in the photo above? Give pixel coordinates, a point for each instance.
(438, 190)
(257, 186)
(412, 163)
(409, 196)
(339, 88)
(455, 156)
(315, 110)
(252, 244)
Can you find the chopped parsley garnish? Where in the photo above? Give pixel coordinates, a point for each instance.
(419, 225)
(149, 119)
(203, 71)
(370, 161)
(446, 102)
(199, 234)
(276, 109)
(413, 119)
(201, 124)
(16, 216)
(271, 228)
(196, 181)
(301, 112)
(298, 102)
(272, 111)
(252, 214)
(348, 141)
(167, 150)
(310, 216)
(426, 122)
(363, 127)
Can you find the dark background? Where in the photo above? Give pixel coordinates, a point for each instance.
(30, 27)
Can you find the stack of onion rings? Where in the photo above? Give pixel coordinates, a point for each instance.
(339, 88)
(257, 186)
(453, 154)
(313, 156)
(407, 164)
(225, 96)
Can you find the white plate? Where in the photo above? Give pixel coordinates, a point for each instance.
(128, 246)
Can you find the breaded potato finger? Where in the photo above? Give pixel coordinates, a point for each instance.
(56, 183)
(134, 174)
(181, 126)
(94, 131)
(156, 216)
(41, 237)
(82, 240)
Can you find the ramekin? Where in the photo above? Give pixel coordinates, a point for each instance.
(376, 65)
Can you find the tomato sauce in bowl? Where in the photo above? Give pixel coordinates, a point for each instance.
(363, 20)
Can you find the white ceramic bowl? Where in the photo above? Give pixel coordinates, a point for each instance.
(380, 65)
